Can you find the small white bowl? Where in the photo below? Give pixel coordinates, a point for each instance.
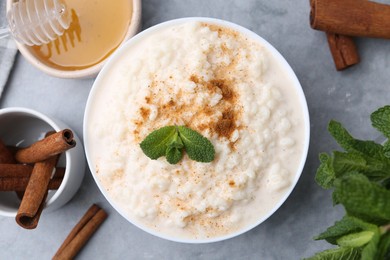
(22, 127)
(88, 72)
(118, 57)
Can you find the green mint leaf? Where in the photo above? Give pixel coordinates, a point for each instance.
(325, 174)
(369, 148)
(347, 162)
(356, 239)
(155, 144)
(174, 151)
(384, 246)
(363, 198)
(370, 251)
(341, 253)
(353, 161)
(341, 135)
(198, 148)
(340, 163)
(345, 226)
(174, 154)
(381, 120)
(350, 144)
(175, 141)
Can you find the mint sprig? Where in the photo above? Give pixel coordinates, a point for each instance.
(360, 179)
(172, 141)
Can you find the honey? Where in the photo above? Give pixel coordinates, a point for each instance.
(97, 29)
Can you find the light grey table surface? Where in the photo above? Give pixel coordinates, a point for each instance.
(348, 96)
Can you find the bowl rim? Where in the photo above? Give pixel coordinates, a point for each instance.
(295, 82)
(50, 122)
(132, 30)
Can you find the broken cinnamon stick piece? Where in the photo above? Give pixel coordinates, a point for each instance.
(80, 234)
(351, 17)
(35, 194)
(49, 146)
(343, 50)
(6, 155)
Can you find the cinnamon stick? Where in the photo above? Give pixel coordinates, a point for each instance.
(19, 182)
(5, 154)
(80, 234)
(351, 17)
(14, 177)
(49, 146)
(23, 171)
(35, 194)
(15, 170)
(343, 50)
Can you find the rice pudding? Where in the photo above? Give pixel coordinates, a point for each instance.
(227, 86)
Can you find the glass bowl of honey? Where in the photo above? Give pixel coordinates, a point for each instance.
(96, 30)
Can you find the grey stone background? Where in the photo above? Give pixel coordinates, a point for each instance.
(348, 96)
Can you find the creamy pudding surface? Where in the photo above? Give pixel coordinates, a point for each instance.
(226, 86)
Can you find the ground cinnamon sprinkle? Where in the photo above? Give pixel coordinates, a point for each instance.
(200, 117)
(222, 31)
(194, 79)
(227, 93)
(223, 126)
(169, 105)
(226, 125)
(145, 112)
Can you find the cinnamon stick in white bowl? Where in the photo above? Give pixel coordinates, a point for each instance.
(20, 184)
(35, 194)
(5, 154)
(51, 145)
(15, 177)
(15, 170)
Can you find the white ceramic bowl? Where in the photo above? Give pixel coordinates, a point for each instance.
(117, 56)
(81, 73)
(22, 127)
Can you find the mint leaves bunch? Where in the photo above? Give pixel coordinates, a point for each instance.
(171, 141)
(360, 179)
